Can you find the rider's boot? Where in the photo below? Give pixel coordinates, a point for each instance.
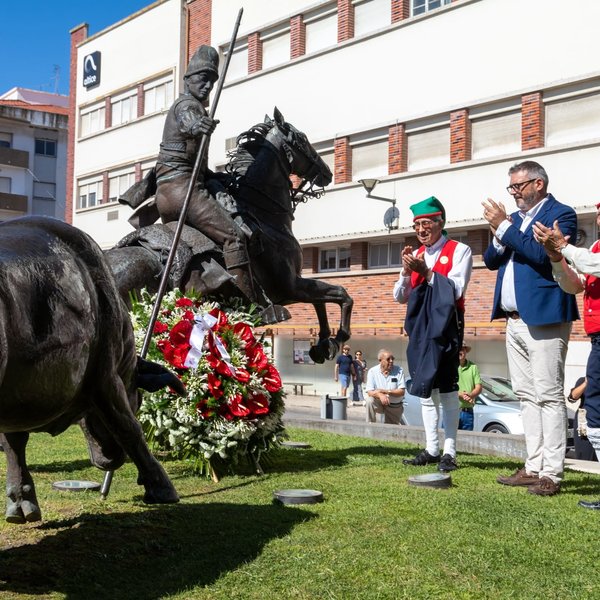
(238, 265)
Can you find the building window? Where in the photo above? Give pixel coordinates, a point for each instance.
(370, 15)
(44, 191)
(5, 185)
(45, 147)
(321, 28)
(385, 254)
(91, 119)
(334, 259)
(275, 47)
(5, 139)
(158, 96)
(238, 65)
(573, 120)
(496, 135)
(369, 159)
(428, 149)
(118, 184)
(123, 109)
(421, 6)
(90, 194)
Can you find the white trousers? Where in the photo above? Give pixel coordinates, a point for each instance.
(536, 359)
(430, 409)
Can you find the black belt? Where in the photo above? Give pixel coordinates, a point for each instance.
(512, 314)
(469, 410)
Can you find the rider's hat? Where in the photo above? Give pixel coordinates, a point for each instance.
(431, 207)
(206, 58)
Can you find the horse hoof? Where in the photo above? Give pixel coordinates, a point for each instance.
(31, 512)
(162, 496)
(14, 515)
(332, 348)
(315, 355)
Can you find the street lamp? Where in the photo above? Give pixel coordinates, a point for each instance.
(392, 214)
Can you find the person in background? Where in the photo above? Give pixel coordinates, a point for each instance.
(583, 449)
(344, 369)
(538, 316)
(432, 283)
(469, 387)
(385, 389)
(360, 367)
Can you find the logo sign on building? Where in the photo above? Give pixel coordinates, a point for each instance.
(91, 70)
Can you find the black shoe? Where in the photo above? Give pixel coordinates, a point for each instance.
(447, 463)
(423, 458)
(593, 505)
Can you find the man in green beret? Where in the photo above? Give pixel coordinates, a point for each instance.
(432, 283)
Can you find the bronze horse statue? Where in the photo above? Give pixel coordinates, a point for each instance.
(260, 196)
(67, 354)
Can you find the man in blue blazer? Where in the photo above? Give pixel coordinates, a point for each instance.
(538, 317)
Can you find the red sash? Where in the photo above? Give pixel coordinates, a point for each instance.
(591, 300)
(443, 266)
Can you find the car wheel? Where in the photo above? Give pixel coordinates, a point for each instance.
(496, 428)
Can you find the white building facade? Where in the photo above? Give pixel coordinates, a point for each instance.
(33, 153)
(430, 97)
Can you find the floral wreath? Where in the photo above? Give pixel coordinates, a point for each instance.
(234, 401)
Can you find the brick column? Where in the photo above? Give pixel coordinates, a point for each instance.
(107, 113)
(297, 37)
(397, 149)
(359, 256)
(140, 100)
(105, 188)
(532, 121)
(345, 20)
(400, 10)
(138, 171)
(199, 13)
(254, 53)
(342, 161)
(310, 260)
(460, 136)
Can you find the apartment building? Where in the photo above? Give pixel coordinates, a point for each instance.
(428, 97)
(33, 153)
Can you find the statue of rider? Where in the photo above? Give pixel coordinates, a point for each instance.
(186, 123)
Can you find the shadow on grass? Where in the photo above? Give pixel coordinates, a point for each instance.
(146, 555)
(68, 466)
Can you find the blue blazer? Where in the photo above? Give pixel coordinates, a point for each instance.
(540, 301)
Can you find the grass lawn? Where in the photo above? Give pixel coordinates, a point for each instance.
(374, 536)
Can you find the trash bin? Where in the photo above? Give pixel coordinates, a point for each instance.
(334, 407)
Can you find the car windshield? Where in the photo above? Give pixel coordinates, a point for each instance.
(498, 389)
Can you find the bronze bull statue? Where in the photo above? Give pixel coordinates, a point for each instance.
(67, 354)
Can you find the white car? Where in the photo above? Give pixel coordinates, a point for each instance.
(496, 409)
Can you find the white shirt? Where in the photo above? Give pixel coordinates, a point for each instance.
(394, 380)
(459, 274)
(508, 298)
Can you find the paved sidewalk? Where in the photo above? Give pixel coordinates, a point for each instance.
(305, 412)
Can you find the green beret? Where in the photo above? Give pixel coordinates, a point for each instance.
(431, 207)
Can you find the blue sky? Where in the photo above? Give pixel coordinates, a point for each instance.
(35, 37)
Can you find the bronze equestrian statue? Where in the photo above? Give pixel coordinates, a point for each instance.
(238, 239)
(67, 354)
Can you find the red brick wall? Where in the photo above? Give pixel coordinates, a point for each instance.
(460, 136)
(140, 100)
(297, 37)
(397, 149)
(77, 36)
(342, 160)
(198, 25)
(105, 188)
(254, 53)
(138, 171)
(400, 10)
(107, 113)
(345, 20)
(359, 256)
(532, 121)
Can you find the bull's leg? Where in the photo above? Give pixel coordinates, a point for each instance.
(21, 501)
(116, 413)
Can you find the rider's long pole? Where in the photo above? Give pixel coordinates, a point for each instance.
(182, 216)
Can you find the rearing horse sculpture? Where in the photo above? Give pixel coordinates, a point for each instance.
(260, 168)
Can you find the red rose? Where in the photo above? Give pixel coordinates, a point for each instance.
(184, 302)
(160, 327)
